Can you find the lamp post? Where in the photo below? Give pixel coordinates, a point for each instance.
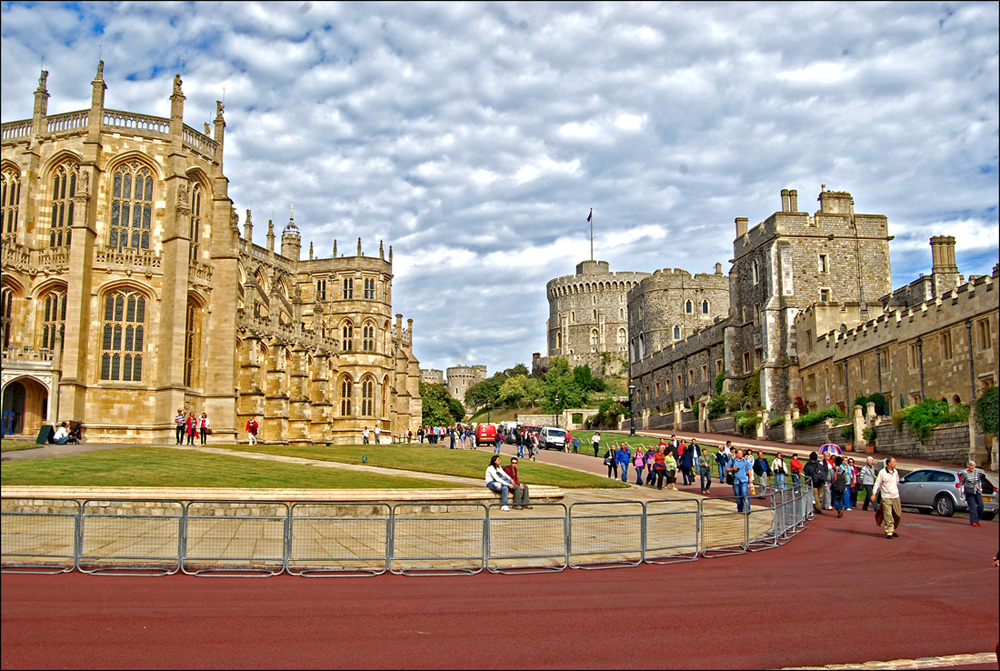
(631, 415)
(557, 412)
(920, 356)
(489, 406)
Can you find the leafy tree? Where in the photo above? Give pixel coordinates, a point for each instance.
(519, 369)
(584, 378)
(437, 409)
(487, 391)
(987, 411)
(560, 383)
(517, 389)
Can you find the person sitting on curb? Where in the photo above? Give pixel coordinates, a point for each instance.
(498, 481)
(522, 499)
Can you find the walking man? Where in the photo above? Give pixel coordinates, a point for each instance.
(868, 480)
(817, 474)
(972, 486)
(887, 485)
(741, 469)
(597, 442)
(252, 428)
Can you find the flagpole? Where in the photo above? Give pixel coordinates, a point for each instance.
(591, 220)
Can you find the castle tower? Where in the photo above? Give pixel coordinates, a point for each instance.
(291, 238)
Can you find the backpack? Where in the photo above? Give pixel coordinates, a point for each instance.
(839, 485)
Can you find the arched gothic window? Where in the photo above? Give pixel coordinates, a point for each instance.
(622, 338)
(346, 390)
(123, 336)
(347, 330)
(704, 307)
(6, 312)
(677, 333)
(688, 306)
(131, 207)
(755, 270)
(368, 397)
(192, 340)
(195, 225)
(10, 201)
(558, 340)
(595, 338)
(63, 189)
(53, 318)
(368, 337)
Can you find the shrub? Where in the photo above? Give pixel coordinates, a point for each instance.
(847, 432)
(880, 401)
(923, 417)
(987, 411)
(776, 422)
(813, 418)
(870, 434)
(747, 422)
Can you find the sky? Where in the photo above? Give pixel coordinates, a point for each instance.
(475, 138)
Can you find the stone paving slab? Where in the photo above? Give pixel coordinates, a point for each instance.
(921, 663)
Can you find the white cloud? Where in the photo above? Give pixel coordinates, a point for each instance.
(474, 137)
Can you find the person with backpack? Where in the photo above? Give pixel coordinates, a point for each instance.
(817, 476)
(610, 461)
(778, 466)
(839, 487)
(687, 464)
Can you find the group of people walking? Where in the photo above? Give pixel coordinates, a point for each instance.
(192, 426)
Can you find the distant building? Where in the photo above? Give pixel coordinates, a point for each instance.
(588, 320)
(462, 378)
(432, 376)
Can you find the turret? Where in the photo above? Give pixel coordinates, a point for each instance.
(291, 239)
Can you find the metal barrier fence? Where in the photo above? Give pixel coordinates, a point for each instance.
(241, 538)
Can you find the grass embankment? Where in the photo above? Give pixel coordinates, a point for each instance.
(165, 467)
(426, 459)
(7, 445)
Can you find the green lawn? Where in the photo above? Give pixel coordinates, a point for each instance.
(165, 467)
(465, 463)
(7, 445)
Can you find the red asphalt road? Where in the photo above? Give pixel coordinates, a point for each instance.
(838, 593)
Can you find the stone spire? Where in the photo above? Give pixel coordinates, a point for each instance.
(381, 251)
(291, 238)
(41, 97)
(359, 247)
(335, 248)
(270, 235)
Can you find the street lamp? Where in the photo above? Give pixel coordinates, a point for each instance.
(557, 412)
(489, 406)
(631, 423)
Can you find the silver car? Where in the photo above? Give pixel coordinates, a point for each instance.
(938, 489)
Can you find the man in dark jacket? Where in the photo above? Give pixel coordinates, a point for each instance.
(816, 472)
(521, 497)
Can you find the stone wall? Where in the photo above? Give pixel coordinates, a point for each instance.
(947, 443)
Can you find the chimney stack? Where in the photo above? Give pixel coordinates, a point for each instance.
(793, 201)
(741, 226)
(784, 200)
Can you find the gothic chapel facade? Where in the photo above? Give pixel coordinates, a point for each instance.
(128, 292)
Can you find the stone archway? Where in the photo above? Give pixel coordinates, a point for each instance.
(28, 401)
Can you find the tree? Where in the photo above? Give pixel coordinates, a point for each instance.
(438, 408)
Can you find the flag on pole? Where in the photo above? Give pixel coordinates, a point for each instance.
(591, 215)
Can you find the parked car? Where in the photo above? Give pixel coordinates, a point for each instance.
(552, 438)
(938, 489)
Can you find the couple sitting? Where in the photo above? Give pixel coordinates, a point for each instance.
(502, 480)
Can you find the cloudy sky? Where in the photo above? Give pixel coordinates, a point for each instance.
(475, 138)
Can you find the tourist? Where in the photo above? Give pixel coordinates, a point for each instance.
(852, 499)
(420, 434)
(795, 466)
(365, 436)
(596, 440)
(838, 488)
(639, 462)
(378, 435)
(972, 487)
(830, 471)
(867, 478)
(252, 428)
(741, 468)
(722, 460)
(659, 466)
(179, 422)
(650, 462)
(498, 481)
(887, 486)
(203, 427)
(191, 427)
(610, 461)
(761, 470)
(521, 497)
(671, 464)
(705, 472)
(61, 435)
(778, 467)
(687, 464)
(817, 477)
(623, 456)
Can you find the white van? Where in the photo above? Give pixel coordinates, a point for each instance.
(552, 438)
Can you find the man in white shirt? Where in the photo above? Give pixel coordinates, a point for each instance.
(61, 434)
(378, 435)
(887, 484)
